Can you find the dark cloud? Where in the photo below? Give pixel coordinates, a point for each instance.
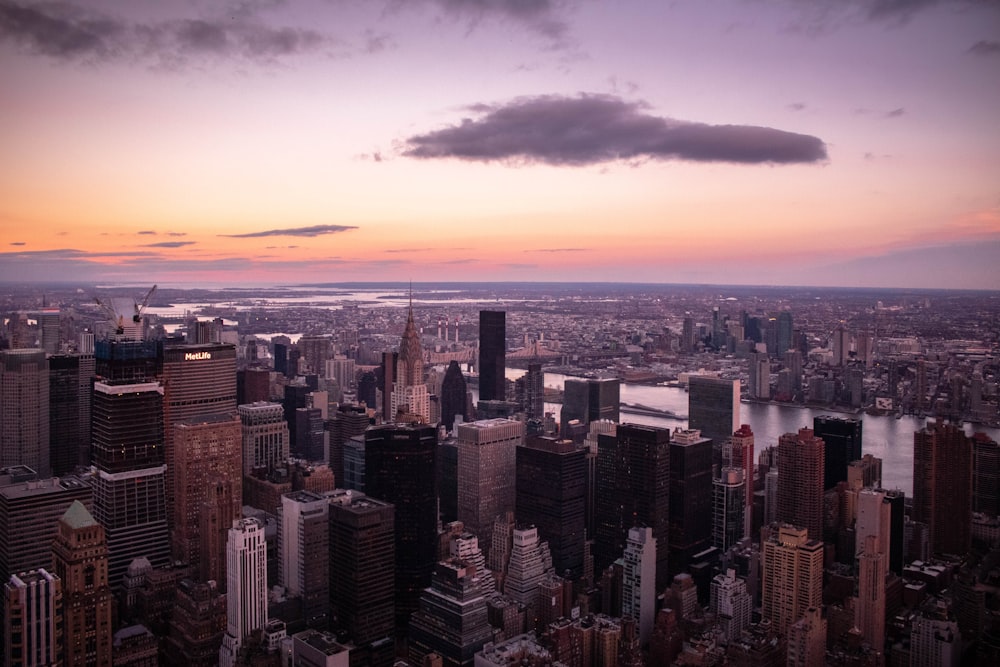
(315, 230)
(176, 233)
(591, 129)
(985, 48)
(169, 244)
(543, 17)
(146, 232)
(67, 32)
(376, 42)
(18, 243)
(895, 113)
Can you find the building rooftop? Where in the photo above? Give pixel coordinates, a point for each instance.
(77, 516)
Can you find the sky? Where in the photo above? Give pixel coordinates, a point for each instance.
(799, 142)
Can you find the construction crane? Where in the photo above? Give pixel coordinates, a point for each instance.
(117, 321)
(140, 308)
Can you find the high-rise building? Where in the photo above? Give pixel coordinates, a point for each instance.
(32, 619)
(807, 639)
(792, 575)
(731, 604)
(800, 481)
(197, 624)
(530, 389)
(985, 475)
(253, 385)
(869, 609)
(784, 338)
(67, 437)
(48, 325)
(728, 508)
(487, 470)
(130, 485)
(842, 445)
(687, 335)
(29, 515)
(453, 391)
(714, 409)
(309, 442)
(348, 421)
(633, 480)
(759, 381)
(690, 498)
(208, 490)
(639, 580)
(265, 436)
(451, 621)
(399, 469)
(492, 352)
(246, 577)
(874, 519)
(316, 350)
(409, 388)
(530, 561)
(589, 400)
(303, 551)
(362, 564)
(841, 343)
(343, 370)
(738, 452)
(80, 559)
(24, 409)
(550, 494)
(935, 639)
(198, 379)
(942, 486)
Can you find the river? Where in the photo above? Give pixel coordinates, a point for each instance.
(888, 438)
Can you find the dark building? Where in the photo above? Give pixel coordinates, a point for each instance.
(784, 334)
(197, 624)
(633, 479)
(67, 442)
(842, 440)
(452, 619)
(453, 394)
(130, 484)
(362, 563)
(530, 390)
(588, 400)
(367, 386)
(985, 475)
(281, 358)
(347, 422)
(550, 494)
(714, 409)
(447, 480)
(492, 355)
(309, 429)
(690, 499)
(942, 486)
(896, 500)
(127, 360)
(399, 469)
(295, 398)
(253, 385)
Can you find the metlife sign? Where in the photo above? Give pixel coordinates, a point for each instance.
(197, 356)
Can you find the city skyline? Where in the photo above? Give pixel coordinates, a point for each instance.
(752, 142)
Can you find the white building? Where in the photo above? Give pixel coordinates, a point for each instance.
(639, 580)
(730, 602)
(246, 592)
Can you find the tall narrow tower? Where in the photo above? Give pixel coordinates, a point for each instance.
(492, 355)
(800, 481)
(24, 409)
(942, 486)
(80, 558)
(870, 606)
(792, 575)
(246, 575)
(639, 580)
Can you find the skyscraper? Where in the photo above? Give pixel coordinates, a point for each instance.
(639, 580)
(800, 481)
(304, 548)
(714, 409)
(870, 605)
(530, 561)
(531, 393)
(246, 578)
(492, 351)
(399, 469)
(842, 444)
(550, 494)
(362, 563)
(690, 498)
(792, 575)
(453, 391)
(731, 604)
(265, 436)
(728, 508)
(633, 481)
(590, 400)
(408, 387)
(80, 558)
(130, 487)
(24, 409)
(942, 486)
(208, 490)
(33, 631)
(67, 437)
(487, 470)
(759, 383)
(784, 338)
(198, 379)
(738, 452)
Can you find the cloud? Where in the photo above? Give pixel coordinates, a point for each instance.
(169, 244)
(895, 113)
(315, 230)
(176, 233)
(146, 233)
(558, 250)
(592, 129)
(408, 250)
(985, 48)
(797, 106)
(67, 32)
(543, 17)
